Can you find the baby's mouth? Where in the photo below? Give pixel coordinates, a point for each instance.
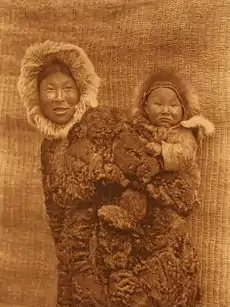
(165, 119)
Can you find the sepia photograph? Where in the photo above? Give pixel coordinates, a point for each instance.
(115, 153)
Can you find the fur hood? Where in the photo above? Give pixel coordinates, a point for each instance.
(39, 55)
(169, 78)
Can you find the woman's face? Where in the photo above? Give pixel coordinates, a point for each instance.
(164, 107)
(59, 95)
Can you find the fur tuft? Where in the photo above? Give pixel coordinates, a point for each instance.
(199, 121)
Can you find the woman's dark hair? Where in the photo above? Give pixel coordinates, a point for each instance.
(53, 67)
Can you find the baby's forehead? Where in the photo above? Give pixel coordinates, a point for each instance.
(163, 92)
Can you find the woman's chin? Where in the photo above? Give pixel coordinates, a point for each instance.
(61, 119)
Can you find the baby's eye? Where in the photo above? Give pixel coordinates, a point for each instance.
(49, 89)
(157, 103)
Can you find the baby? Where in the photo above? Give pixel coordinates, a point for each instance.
(167, 118)
(158, 148)
(164, 125)
(169, 127)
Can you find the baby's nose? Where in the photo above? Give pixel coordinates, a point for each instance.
(165, 109)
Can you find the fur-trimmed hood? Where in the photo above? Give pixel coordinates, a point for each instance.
(36, 58)
(169, 78)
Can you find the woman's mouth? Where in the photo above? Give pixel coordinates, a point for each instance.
(60, 111)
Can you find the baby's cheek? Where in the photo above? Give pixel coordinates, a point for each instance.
(180, 111)
(155, 109)
(177, 112)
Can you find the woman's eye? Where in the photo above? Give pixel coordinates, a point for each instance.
(49, 89)
(69, 88)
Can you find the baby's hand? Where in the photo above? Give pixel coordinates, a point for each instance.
(153, 149)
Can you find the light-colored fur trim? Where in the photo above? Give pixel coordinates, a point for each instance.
(82, 70)
(199, 121)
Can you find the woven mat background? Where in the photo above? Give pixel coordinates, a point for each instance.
(124, 38)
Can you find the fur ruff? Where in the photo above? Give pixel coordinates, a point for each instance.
(199, 121)
(82, 70)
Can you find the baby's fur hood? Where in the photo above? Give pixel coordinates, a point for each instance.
(36, 58)
(189, 96)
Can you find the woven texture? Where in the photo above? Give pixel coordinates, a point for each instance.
(125, 40)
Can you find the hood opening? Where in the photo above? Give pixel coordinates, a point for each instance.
(54, 67)
(36, 61)
(168, 78)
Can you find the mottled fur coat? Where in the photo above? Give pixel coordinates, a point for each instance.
(117, 217)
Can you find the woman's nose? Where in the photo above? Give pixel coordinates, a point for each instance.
(59, 95)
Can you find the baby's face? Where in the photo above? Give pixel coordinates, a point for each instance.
(164, 107)
(58, 97)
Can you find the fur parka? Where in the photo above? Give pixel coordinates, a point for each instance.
(60, 195)
(120, 230)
